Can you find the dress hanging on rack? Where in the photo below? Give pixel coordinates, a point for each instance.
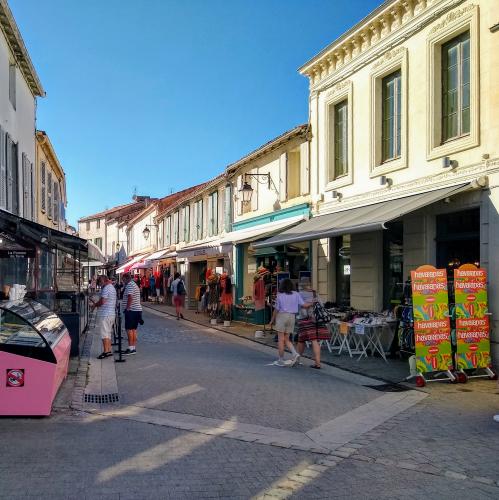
(226, 299)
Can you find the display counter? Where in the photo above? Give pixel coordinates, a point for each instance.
(34, 356)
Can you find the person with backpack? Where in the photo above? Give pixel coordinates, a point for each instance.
(178, 291)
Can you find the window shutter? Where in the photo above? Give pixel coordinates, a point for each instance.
(32, 188)
(3, 171)
(210, 215)
(15, 179)
(228, 208)
(304, 169)
(283, 177)
(239, 185)
(24, 186)
(56, 202)
(49, 195)
(10, 179)
(43, 188)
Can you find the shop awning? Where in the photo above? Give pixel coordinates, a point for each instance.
(360, 219)
(261, 231)
(157, 255)
(209, 248)
(127, 265)
(94, 253)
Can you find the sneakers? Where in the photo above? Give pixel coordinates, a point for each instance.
(130, 352)
(295, 359)
(496, 418)
(280, 362)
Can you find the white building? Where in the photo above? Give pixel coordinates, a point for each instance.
(19, 88)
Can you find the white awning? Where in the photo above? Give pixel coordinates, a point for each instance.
(157, 255)
(129, 264)
(95, 253)
(360, 219)
(261, 231)
(209, 248)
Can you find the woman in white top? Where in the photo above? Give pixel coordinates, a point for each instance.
(288, 304)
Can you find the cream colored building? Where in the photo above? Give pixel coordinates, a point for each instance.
(51, 199)
(405, 150)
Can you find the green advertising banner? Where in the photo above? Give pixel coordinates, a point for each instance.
(472, 321)
(431, 319)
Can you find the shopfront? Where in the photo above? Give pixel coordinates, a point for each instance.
(45, 265)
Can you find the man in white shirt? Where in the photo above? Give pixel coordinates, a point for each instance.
(106, 314)
(132, 309)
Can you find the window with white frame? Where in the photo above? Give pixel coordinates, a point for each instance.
(391, 137)
(98, 223)
(338, 145)
(453, 84)
(456, 87)
(213, 214)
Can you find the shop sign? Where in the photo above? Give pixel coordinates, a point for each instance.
(346, 270)
(431, 319)
(472, 320)
(16, 254)
(15, 377)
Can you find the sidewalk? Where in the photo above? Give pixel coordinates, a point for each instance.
(394, 371)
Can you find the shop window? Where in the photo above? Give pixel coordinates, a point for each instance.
(47, 265)
(391, 116)
(458, 239)
(342, 245)
(456, 87)
(293, 175)
(393, 265)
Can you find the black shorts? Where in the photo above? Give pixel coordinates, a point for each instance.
(132, 320)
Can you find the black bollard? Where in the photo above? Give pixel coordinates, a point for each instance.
(119, 351)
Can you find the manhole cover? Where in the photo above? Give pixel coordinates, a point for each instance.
(388, 388)
(102, 398)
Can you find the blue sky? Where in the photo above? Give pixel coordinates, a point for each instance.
(159, 95)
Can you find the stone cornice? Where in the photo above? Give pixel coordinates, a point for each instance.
(388, 26)
(18, 49)
(416, 186)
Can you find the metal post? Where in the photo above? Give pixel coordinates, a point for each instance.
(119, 351)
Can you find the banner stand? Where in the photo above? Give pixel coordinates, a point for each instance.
(432, 333)
(472, 324)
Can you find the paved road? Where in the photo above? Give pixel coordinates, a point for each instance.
(203, 415)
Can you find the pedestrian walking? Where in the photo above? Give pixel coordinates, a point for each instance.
(178, 291)
(288, 303)
(132, 310)
(144, 286)
(158, 282)
(311, 330)
(106, 314)
(169, 293)
(152, 286)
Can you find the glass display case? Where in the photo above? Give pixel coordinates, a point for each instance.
(34, 355)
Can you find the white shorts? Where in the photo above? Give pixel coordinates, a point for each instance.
(285, 322)
(105, 325)
(157, 291)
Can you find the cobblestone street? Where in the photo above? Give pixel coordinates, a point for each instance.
(203, 414)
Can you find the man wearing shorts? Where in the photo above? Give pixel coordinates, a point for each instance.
(133, 312)
(106, 313)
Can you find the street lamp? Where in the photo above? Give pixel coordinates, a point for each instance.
(246, 190)
(146, 232)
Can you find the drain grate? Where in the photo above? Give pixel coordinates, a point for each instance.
(388, 388)
(102, 398)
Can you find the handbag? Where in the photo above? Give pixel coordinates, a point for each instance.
(321, 314)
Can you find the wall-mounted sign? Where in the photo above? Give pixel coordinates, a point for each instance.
(17, 253)
(346, 270)
(15, 377)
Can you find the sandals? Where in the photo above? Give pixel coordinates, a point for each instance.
(316, 367)
(104, 355)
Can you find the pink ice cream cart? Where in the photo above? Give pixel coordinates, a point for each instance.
(34, 356)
